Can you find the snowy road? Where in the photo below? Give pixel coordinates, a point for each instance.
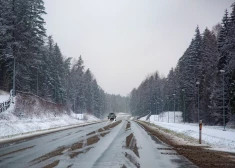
(120, 144)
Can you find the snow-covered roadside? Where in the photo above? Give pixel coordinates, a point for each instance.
(164, 117)
(4, 98)
(4, 94)
(9, 128)
(16, 126)
(213, 136)
(40, 132)
(31, 114)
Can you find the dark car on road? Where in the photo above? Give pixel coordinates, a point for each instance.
(111, 116)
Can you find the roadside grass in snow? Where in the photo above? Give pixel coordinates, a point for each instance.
(200, 154)
(31, 114)
(177, 134)
(213, 136)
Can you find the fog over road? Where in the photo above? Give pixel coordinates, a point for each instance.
(119, 144)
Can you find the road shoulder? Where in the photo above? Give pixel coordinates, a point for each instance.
(201, 155)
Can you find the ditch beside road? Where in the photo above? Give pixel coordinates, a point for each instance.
(200, 155)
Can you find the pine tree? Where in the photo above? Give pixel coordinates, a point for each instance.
(95, 98)
(88, 78)
(230, 69)
(23, 38)
(133, 101)
(5, 48)
(222, 41)
(209, 71)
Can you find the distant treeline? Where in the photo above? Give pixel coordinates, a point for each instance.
(207, 64)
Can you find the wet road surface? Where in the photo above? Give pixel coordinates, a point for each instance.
(120, 144)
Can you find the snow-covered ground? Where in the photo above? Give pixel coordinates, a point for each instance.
(17, 126)
(12, 125)
(213, 136)
(163, 117)
(123, 115)
(85, 117)
(4, 96)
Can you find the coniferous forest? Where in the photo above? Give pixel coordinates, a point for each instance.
(40, 66)
(203, 79)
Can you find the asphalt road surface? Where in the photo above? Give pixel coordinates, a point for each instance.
(117, 144)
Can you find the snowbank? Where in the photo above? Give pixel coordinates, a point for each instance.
(16, 126)
(122, 113)
(213, 136)
(32, 114)
(85, 117)
(163, 117)
(4, 93)
(4, 96)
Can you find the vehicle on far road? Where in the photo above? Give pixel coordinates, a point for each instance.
(111, 116)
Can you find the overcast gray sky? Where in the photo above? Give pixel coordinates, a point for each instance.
(122, 41)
